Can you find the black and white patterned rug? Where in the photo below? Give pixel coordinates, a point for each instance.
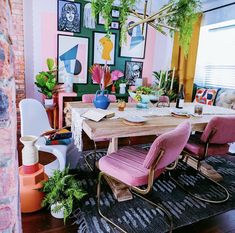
(137, 216)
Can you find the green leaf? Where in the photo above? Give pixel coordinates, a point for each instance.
(50, 63)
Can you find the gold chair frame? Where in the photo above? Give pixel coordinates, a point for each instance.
(136, 191)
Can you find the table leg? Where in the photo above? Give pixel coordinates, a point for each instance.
(121, 192)
(113, 145)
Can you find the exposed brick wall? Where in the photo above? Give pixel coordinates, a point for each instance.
(18, 46)
(9, 191)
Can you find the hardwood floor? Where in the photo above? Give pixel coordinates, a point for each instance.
(42, 221)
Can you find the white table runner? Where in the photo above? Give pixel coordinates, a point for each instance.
(77, 119)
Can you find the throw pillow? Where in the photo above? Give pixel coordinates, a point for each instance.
(205, 96)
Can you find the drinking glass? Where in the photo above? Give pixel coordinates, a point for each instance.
(153, 97)
(198, 109)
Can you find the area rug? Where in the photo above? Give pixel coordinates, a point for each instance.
(137, 216)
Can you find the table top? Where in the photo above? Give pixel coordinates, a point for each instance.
(115, 128)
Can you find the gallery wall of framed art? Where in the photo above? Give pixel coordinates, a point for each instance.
(80, 47)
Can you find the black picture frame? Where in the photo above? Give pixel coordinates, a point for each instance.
(129, 69)
(62, 24)
(102, 61)
(115, 13)
(86, 70)
(144, 50)
(99, 18)
(117, 25)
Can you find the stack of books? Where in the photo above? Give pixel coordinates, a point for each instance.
(60, 137)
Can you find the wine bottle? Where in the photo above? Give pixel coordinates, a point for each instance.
(180, 98)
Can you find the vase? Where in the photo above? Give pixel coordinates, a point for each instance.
(143, 103)
(58, 214)
(31, 176)
(101, 99)
(29, 154)
(49, 102)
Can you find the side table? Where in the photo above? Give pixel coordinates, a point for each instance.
(61, 96)
(52, 115)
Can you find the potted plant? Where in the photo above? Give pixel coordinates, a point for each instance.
(62, 192)
(46, 82)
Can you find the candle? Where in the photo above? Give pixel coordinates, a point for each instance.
(172, 79)
(159, 85)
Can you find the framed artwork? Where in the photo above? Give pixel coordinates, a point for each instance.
(104, 48)
(136, 41)
(115, 13)
(115, 25)
(101, 20)
(73, 58)
(133, 71)
(69, 16)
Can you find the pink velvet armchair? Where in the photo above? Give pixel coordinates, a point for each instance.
(135, 166)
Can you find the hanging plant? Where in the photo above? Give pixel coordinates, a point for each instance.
(177, 15)
(184, 19)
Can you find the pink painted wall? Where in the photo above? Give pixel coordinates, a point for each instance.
(43, 38)
(149, 55)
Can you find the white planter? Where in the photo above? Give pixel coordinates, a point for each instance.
(29, 152)
(49, 102)
(59, 214)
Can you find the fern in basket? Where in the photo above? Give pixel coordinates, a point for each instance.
(63, 191)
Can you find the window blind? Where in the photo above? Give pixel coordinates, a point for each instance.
(216, 56)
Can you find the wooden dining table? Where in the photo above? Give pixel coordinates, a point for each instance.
(155, 125)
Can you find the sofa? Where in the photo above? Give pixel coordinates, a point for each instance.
(223, 97)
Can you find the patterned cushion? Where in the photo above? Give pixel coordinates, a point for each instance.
(225, 98)
(205, 96)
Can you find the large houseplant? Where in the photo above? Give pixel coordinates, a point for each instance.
(177, 15)
(62, 192)
(46, 81)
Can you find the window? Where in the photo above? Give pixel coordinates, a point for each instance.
(215, 65)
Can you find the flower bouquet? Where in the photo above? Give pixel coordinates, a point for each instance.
(102, 76)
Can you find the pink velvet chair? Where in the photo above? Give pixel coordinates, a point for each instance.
(163, 101)
(88, 98)
(213, 141)
(135, 167)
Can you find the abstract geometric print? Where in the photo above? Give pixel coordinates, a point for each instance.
(72, 58)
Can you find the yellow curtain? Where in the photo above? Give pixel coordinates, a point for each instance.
(185, 66)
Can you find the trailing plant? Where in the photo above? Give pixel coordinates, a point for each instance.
(184, 20)
(63, 190)
(46, 80)
(176, 15)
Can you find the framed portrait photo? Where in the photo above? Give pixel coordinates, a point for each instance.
(133, 71)
(73, 58)
(136, 41)
(115, 25)
(104, 48)
(115, 13)
(69, 16)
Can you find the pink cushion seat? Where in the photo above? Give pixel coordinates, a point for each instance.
(196, 147)
(127, 166)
